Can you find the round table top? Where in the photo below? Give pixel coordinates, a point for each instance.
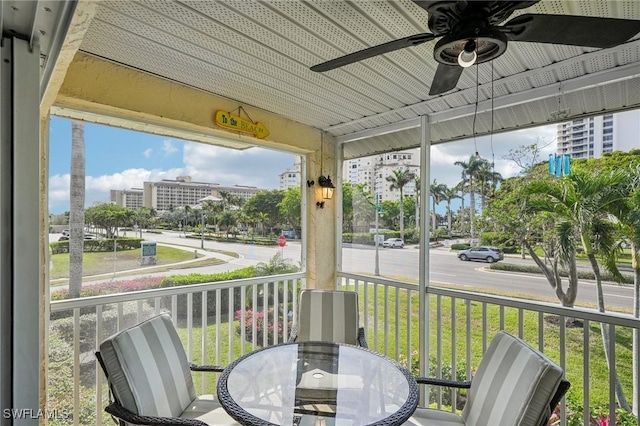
(319, 384)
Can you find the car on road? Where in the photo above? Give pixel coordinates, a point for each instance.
(64, 237)
(393, 243)
(486, 253)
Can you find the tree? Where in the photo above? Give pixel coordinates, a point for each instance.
(437, 195)
(266, 202)
(526, 156)
(515, 213)
(227, 220)
(449, 194)
(291, 208)
(583, 201)
(398, 179)
(76, 212)
(390, 213)
(488, 180)
(109, 217)
(470, 171)
(362, 206)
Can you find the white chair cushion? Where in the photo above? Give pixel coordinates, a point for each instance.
(206, 408)
(328, 316)
(148, 369)
(513, 385)
(429, 417)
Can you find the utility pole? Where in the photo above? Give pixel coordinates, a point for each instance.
(202, 230)
(377, 267)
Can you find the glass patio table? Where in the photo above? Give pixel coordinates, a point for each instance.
(319, 384)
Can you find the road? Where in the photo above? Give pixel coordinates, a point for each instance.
(444, 268)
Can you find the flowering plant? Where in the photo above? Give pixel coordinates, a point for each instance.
(260, 325)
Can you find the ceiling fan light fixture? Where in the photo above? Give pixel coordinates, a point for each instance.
(468, 55)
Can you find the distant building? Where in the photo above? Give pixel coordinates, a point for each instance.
(130, 198)
(168, 194)
(373, 172)
(291, 178)
(593, 136)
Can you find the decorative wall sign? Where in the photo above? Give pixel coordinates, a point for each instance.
(246, 125)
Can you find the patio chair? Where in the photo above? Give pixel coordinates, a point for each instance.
(328, 316)
(150, 378)
(515, 385)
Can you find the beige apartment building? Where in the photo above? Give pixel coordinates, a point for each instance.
(183, 191)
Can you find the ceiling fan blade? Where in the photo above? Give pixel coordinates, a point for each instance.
(380, 49)
(571, 30)
(446, 78)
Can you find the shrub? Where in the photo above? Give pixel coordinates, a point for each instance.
(258, 317)
(460, 246)
(446, 373)
(534, 269)
(63, 327)
(98, 245)
(60, 385)
(182, 280)
(110, 287)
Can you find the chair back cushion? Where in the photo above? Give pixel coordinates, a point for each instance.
(513, 386)
(148, 369)
(328, 316)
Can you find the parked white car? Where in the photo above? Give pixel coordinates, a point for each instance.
(393, 243)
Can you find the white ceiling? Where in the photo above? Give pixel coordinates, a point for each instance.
(259, 53)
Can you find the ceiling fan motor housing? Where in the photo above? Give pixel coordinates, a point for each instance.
(490, 43)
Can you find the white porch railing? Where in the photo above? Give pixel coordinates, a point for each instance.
(234, 315)
(218, 322)
(461, 324)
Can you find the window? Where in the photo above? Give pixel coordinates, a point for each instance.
(606, 131)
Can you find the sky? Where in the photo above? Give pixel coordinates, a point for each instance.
(124, 159)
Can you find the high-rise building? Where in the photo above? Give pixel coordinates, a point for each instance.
(130, 198)
(373, 172)
(167, 194)
(291, 178)
(593, 136)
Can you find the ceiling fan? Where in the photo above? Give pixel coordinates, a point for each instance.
(470, 33)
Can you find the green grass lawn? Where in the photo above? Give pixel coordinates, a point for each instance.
(103, 262)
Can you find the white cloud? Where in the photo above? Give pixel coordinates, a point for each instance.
(254, 167)
(167, 147)
(97, 188)
(147, 152)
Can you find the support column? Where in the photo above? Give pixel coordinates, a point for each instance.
(425, 179)
(21, 279)
(321, 243)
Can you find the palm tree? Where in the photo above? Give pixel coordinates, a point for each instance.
(437, 195)
(261, 219)
(469, 173)
(76, 213)
(398, 179)
(488, 180)
(227, 220)
(585, 202)
(449, 194)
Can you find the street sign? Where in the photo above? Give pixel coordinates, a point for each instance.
(282, 240)
(149, 253)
